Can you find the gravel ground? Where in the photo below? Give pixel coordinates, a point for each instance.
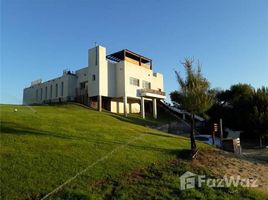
(222, 163)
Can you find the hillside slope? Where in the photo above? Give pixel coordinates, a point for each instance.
(42, 147)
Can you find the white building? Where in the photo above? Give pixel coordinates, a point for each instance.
(122, 82)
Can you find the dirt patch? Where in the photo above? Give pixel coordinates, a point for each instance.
(161, 180)
(221, 163)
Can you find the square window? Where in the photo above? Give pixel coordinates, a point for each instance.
(134, 81)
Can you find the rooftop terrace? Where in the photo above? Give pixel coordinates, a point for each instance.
(128, 55)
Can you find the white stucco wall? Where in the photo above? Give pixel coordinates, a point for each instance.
(120, 79)
(111, 80)
(103, 71)
(93, 61)
(40, 93)
(143, 74)
(82, 75)
(119, 107)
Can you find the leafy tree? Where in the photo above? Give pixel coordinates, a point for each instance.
(233, 106)
(193, 95)
(241, 96)
(258, 117)
(243, 108)
(175, 96)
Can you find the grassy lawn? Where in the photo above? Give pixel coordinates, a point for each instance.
(43, 146)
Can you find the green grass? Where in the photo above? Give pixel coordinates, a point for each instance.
(161, 181)
(43, 146)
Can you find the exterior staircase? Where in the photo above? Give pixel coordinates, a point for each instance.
(182, 126)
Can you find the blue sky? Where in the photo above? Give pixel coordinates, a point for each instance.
(40, 38)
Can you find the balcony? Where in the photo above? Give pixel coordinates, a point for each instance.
(152, 93)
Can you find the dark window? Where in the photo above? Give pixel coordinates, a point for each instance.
(36, 94)
(51, 88)
(93, 77)
(62, 85)
(56, 92)
(46, 92)
(82, 85)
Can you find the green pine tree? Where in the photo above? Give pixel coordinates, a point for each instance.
(194, 95)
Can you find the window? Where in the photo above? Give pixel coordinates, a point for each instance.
(62, 85)
(36, 94)
(46, 92)
(134, 81)
(146, 85)
(83, 85)
(56, 92)
(41, 92)
(51, 87)
(93, 77)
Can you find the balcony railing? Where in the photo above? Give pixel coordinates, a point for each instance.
(152, 91)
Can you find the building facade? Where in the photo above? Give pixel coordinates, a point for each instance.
(122, 82)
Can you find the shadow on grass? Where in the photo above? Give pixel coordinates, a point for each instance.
(185, 154)
(13, 128)
(161, 135)
(135, 146)
(70, 195)
(135, 120)
(17, 129)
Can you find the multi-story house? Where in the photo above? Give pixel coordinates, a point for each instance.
(122, 82)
